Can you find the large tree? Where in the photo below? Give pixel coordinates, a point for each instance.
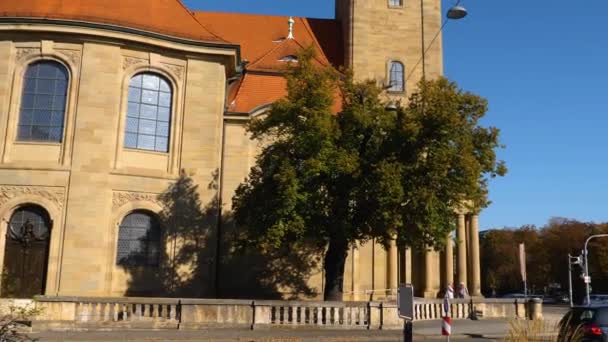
(367, 172)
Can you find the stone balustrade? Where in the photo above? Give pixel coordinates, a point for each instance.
(69, 313)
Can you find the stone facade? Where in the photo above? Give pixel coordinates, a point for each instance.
(89, 181)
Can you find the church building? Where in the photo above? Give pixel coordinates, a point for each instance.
(122, 140)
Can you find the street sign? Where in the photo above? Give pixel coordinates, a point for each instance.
(405, 302)
(587, 279)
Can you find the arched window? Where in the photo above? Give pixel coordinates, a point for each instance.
(43, 101)
(30, 223)
(396, 81)
(148, 113)
(395, 3)
(138, 240)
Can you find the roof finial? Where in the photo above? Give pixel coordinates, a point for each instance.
(291, 22)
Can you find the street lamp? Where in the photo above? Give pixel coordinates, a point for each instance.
(457, 12)
(587, 278)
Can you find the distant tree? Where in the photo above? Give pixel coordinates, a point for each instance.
(367, 172)
(547, 250)
(499, 263)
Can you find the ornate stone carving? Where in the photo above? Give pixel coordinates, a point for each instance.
(176, 69)
(72, 55)
(26, 52)
(53, 194)
(119, 198)
(130, 61)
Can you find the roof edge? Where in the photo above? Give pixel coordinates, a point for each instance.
(121, 29)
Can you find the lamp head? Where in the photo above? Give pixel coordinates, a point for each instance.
(457, 12)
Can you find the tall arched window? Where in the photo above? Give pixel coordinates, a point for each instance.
(396, 81)
(138, 240)
(42, 111)
(148, 113)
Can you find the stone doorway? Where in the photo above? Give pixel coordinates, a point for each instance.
(26, 253)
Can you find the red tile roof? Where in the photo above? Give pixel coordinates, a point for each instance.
(168, 17)
(256, 90)
(260, 34)
(263, 43)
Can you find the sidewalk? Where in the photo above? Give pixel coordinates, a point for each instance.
(462, 330)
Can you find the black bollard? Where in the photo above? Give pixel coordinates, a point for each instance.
(408, 331)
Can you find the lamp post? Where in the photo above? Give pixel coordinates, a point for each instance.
(587, 278)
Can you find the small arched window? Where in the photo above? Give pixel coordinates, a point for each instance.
(395, 3)
(396, 75)
(138, 240)
(148, 113)
(42, 112)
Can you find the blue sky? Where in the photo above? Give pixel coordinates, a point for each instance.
(543, 66)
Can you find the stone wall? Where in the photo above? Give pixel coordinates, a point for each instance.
(89, 182)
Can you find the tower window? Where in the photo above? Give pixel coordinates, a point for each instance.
(395, 3)
(396, 81)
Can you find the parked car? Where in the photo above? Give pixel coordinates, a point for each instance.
(599, 299)
(514, 295)
(585, 324)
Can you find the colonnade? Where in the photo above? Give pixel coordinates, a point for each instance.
(431, 271)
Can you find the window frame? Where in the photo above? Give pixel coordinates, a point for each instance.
(126, 160)
(33, 53)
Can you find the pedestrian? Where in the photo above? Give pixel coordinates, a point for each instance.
(463, 292)
(449, 292)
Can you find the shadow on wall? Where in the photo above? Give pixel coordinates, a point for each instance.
(188, 247)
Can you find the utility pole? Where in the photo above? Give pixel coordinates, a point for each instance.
(587, 278)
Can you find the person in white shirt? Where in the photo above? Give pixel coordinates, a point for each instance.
(463, 292)
(449, 292)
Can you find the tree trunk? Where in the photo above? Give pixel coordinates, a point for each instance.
(335, 258)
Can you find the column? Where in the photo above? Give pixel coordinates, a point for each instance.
(431, 273)
(448, 260)
(475, 272)
(407, 266)
(356, 287)
(392, 266)
(461, 247)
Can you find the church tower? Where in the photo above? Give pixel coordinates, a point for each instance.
(384, 39)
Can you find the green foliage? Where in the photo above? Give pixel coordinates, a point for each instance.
(15, 321)
(366, 172)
